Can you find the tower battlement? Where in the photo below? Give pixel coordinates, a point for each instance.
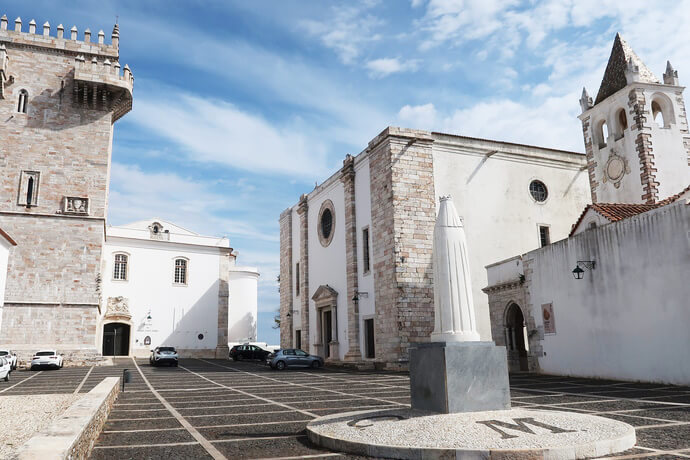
(67, 43)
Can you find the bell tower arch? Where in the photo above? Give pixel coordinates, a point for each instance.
(635, 132)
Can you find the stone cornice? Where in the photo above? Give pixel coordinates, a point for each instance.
(502, 286)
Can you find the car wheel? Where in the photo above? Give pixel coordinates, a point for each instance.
(234, 358)
(33, 368)
(175, 364)
(280, 365)
(315, 365)
(7, 377)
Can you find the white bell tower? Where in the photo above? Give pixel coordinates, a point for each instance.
(635, 132)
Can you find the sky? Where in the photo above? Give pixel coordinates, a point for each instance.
(241, 106)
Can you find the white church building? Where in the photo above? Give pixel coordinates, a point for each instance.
(165, 285)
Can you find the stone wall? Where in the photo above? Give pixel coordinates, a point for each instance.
(52, 292)
(286, 278)
(347, 176)
(304, 269)
(403, 215)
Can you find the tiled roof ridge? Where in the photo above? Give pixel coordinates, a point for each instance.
(608, 210)
(614, 76)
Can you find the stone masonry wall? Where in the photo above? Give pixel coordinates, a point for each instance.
(302, 210)
(500, 298)
(643, 146)
(347, 176)
(591, 162)
(403, 213)
(52, 289)
(286, 278)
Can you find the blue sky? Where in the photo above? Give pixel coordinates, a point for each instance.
(241, 106)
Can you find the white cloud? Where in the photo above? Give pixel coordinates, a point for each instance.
(418, 116)
(380, 68)
(349, 29)
(136, 194)
(216, 131)
(417, 3)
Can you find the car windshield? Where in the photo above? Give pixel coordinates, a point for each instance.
(4, 353)
(45, 353)
(166, 349)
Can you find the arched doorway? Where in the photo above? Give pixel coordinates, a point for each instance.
(516, 339)
(116, 339)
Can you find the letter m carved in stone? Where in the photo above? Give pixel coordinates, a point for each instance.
(520, 425)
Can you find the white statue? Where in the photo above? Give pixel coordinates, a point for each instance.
(453, 306)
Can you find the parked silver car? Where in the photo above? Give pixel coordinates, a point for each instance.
(160, 355)
(293, 357)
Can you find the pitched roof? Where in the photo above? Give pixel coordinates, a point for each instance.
(619, 211)
(614, 75)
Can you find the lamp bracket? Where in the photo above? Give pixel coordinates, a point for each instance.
(588, 264)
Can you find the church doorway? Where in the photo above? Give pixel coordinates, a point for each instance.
(326, 328)
(516, 339)
(116, 339)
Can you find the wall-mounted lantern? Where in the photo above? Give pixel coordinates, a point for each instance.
(578, 272)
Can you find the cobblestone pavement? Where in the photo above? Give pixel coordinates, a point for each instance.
(222, 409)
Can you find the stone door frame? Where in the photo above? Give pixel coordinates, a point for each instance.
(326, 300)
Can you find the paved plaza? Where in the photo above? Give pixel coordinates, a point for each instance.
(207, 408)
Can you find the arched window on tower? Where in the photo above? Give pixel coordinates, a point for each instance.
(622, 120)
(23, 101)
(601, 133)
(662, 110)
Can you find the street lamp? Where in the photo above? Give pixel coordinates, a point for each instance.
(578, 272)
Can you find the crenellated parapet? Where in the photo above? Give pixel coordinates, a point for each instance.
(101, 85)
(99, 81)
(69, 44)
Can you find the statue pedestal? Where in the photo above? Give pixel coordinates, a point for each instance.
(449, 377)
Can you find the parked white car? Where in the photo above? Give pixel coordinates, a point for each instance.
(12, 357)
(46, 358)
(5, 369)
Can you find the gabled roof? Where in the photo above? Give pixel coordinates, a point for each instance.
(614, 212)
(614, 76)
(144, 225)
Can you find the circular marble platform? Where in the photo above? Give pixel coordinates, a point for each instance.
(514, 434)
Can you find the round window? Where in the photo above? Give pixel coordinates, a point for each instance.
(538, 191)
(326, 223)
(201, 336)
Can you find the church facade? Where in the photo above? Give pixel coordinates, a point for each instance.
(611, 300)
(355, 273)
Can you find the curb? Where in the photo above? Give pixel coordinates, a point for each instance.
(73, 434)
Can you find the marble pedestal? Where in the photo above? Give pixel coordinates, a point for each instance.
(449, 377)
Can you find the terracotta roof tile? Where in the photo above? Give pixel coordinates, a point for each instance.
(619, 211)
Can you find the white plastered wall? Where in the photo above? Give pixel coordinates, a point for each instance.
(242, 309)
(363, 217)
(327, 265)
(179, 313)
(492, 197)
(628, 318)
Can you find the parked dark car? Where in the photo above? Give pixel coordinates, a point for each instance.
(240, 352)
(293, 357)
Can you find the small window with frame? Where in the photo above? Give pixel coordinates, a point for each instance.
(120, 267)
(366, 259)
(544, 236)
(23, 101)
(28, 188)
(181, 271)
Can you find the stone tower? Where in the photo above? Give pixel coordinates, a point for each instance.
(59, 99)
(635, 132)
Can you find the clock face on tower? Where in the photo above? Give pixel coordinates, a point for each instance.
(616, 167)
